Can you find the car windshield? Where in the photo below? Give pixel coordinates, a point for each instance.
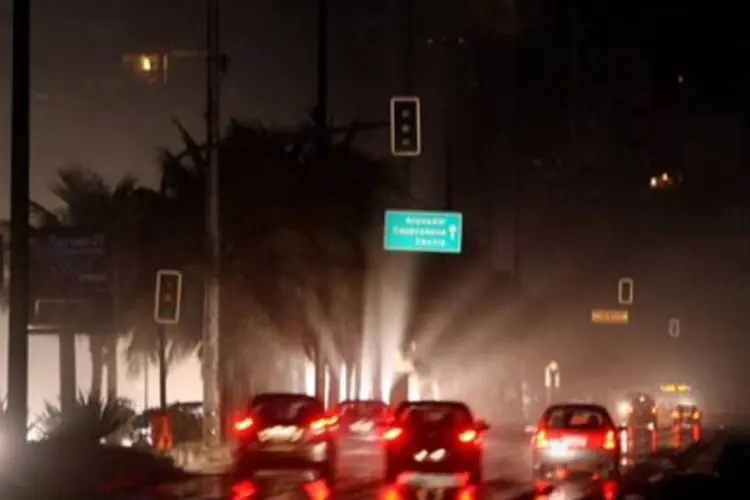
(587, 417)
(285, 408)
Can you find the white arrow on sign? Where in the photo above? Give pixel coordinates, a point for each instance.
(452, 229)
(552, 375)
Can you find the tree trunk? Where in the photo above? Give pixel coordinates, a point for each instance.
(111, 363)
(333, 386)
(68, 384)
(97, 365)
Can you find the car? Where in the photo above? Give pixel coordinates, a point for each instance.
(686, 416)
(285, 431)
(640, 412)
(573, 440)
(363, 420)
(435, 443)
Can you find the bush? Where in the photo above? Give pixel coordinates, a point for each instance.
(89, 420)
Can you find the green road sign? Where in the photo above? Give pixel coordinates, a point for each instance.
(423, 231)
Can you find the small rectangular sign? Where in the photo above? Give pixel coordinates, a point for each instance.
(423, 231)
(610, 316)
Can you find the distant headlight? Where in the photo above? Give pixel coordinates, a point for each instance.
(624, 408)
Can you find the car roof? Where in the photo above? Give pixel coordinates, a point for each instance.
(576, 406)
(458, 405)
(265, 396)
(363, 401)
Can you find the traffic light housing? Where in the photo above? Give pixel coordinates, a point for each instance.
(406, 126)
(625, 291)
(674, 328)
(168, 297)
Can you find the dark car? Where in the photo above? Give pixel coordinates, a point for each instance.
(686, 415)
(363, 419)
(285, 431)
(433, 442)
(642, 412)
(575, 439)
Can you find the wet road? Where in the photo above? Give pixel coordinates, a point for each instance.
(507, 475)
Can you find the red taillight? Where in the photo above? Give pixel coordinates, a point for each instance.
(468, 436)
(319, 425)
(610, 440)
(391, 492)
(244, 490)
(243, 425)
(317, 490)
(392, 433)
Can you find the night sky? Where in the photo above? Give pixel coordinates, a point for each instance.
(89, 109)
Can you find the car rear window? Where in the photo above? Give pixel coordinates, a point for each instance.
(364, 409)
(285, 408)
(571, 417)
(435, 414)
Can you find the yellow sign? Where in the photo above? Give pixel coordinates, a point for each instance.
(675, 388)
(610, 316)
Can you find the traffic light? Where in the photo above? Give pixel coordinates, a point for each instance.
(406, 128)
(674, 328)
(168, 297)
(625, 291)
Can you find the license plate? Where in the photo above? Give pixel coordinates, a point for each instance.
(434, 480)
(279, 447)
(575, 441)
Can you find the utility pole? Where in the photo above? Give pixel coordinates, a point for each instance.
(321, 143)
(573, 108)
(409, 59)
(409, 87)
(450, 78)
(18, 340)
(162, 368)
(211, 344)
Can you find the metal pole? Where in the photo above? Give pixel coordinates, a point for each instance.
(409, 61)
(321, 139)
(450, 75)
(163, 367)
(146, 367)
(211, 397)
(573, 104)
(18, 342)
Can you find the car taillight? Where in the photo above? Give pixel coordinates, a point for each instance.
(243, 425)
(696, 415)
(319, 425)
(675, 414)
(392, 433)
(610, 440)
(540, 439)
(468, 436)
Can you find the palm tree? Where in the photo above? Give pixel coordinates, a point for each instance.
(288, 225)
(123, 211)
